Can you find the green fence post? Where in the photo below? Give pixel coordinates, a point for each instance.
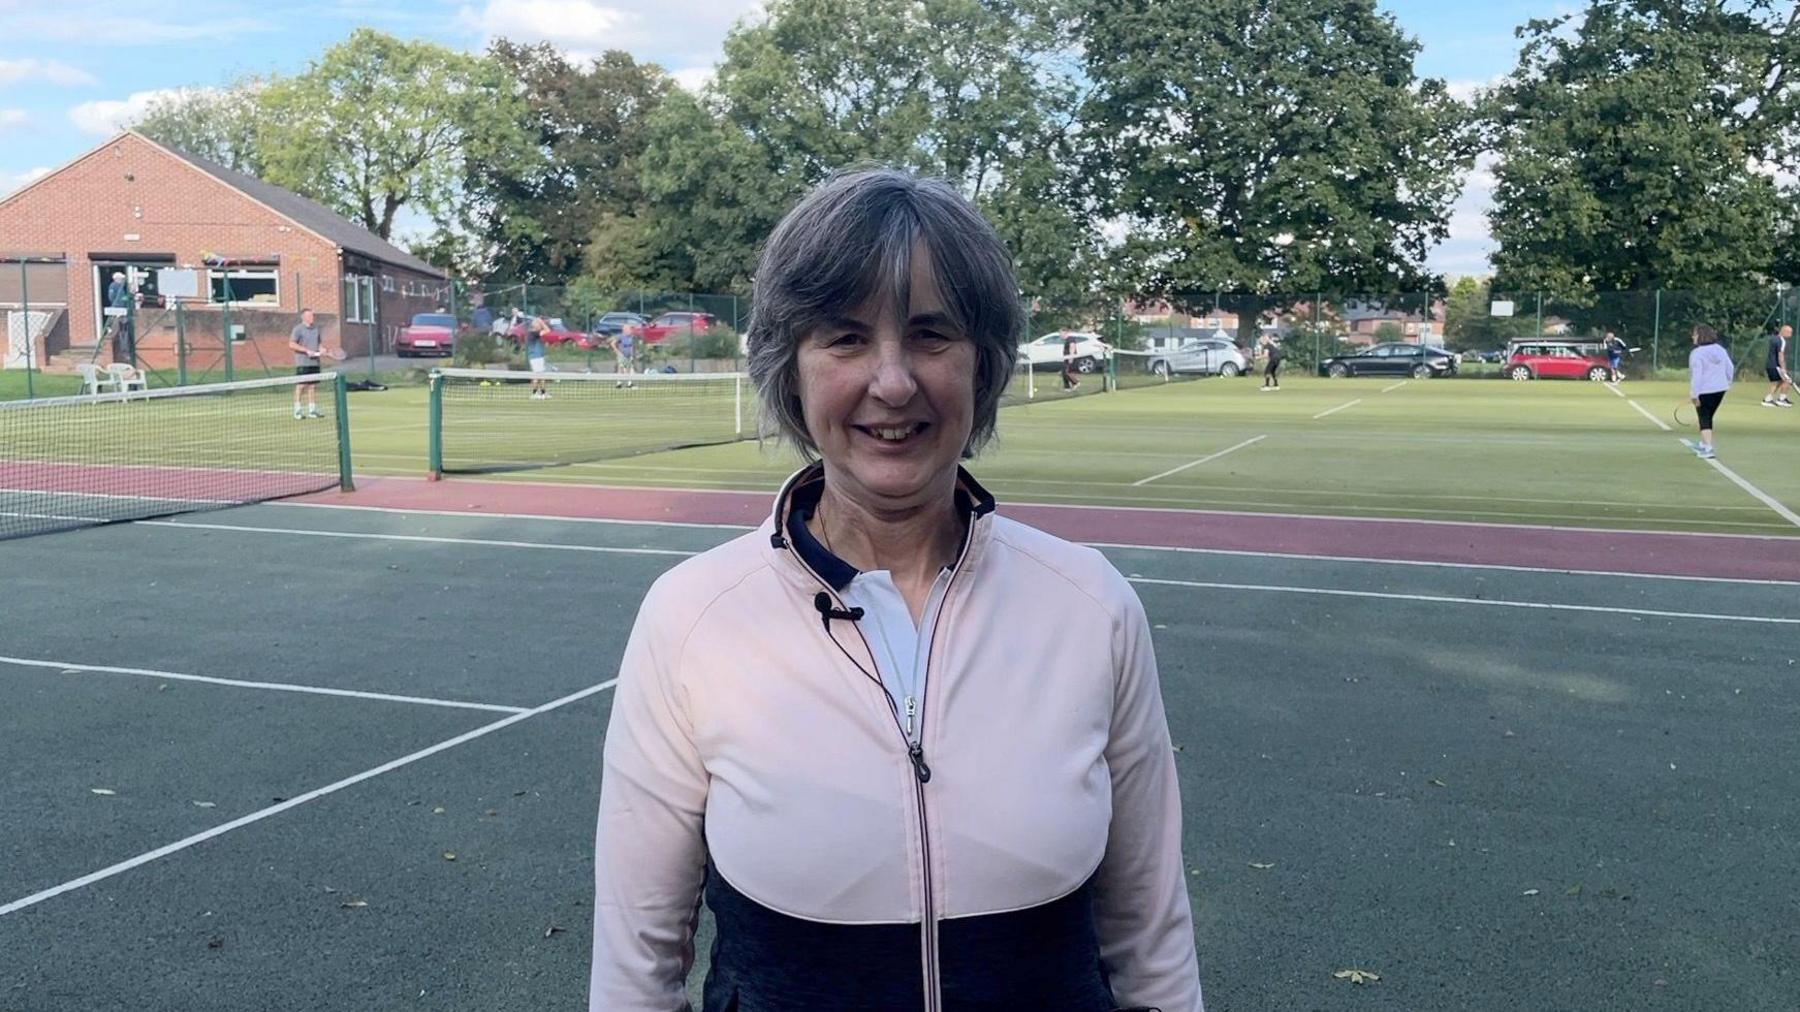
(1540, 316)
(1317, 326)
(340, 398)
(25, 300)
(181, 376)
(1656, 338)
(225, 333)
(435, 427)
(692, 351)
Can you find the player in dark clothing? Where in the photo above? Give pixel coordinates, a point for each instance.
(1781, 381)
(1615, 354)
(1068, 374)
(1272, 354)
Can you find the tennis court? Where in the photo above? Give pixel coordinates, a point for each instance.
(342, 752)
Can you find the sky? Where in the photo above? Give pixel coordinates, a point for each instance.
(73, 71)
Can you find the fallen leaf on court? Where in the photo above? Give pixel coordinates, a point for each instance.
(1531, 892)
(439, 810)
(103, 792)
(1357, 976)
(552, 930)
(1261, 867)
(1437, 783)
(449, 855)
(215, 942)
(163, 687)
(1574, 890)
(492, 812)
(205, 804)
(1193, 871)
(330, 889)
(518, 794)
(1509, 734)
(353, 904)
(1178, 748)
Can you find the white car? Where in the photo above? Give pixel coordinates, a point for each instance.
(1203, 357)
(1046, 352)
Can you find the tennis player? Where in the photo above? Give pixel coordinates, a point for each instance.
(1709, 376)
(307, 344)
(1781, 381)
(1615, 356)
(535, 356)
(626, 344)
(850, 731)
(1271, 349)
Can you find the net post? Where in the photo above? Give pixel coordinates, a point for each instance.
(341, 401)
(181, 375)
(737, 403)
(1656, 337)
(25, 300)
(225, 333)
(435, 427)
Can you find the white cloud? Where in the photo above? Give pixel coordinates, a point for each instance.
(112, 115)
(50, 71)
(694, 79)
(103, 23)
(10, 181)
(1471, 241)
(10, 118)
(1468, 91)
(674, 33)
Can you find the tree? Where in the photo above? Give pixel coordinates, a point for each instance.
(1469, 323)
(964, 89)
(378, 124)
(1642, 147)
(589, 127)
(217, 124)
(1257, 147)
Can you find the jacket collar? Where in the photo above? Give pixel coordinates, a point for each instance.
(799, 495)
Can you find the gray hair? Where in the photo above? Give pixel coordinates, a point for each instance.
(852, 239)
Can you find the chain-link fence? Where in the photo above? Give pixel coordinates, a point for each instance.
(682, 331)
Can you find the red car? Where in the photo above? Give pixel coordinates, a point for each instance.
(559, 332)
(1527, 360)
(676, 323)
(427, 334)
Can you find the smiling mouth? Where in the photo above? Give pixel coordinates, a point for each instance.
(893, 433)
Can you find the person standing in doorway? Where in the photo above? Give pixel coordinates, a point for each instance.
(118, 312)
(1069, 381)
(1709, 370)
(305, 342)
(1781, 381)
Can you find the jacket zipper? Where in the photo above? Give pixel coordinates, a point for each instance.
(915, 751)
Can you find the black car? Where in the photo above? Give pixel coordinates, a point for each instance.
(614, 323)
(1396, 359)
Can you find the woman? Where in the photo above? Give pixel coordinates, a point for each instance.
(1271, 349)
(850, 728)
(535, 337)
(1709, 371)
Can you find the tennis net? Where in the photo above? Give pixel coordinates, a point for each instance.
(485, 421)
(1129, 370)
(71, 462)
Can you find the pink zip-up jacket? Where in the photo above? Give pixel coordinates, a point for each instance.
(742, 733)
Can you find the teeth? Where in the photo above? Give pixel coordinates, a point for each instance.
(895, 434)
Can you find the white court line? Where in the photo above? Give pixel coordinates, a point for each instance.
(1483, 602)
(1615, 389)
(1395, 386)
(1659, 423)
(1337, 409)
(419, 538)
(1611, 574)
(295, 802)
(467, 514)
(1196, 463)
(238, 683)
(1763, 497)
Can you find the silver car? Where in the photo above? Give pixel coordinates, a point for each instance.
(1202, 357)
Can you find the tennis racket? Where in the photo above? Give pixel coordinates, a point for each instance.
(335, 354)
(1684, 414)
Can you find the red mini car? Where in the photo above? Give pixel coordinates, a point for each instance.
(1527, 360)
(676, 323)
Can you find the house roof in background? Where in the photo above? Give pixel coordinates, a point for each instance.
(308, 214)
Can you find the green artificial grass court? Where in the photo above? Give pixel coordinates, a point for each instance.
(1547, 452)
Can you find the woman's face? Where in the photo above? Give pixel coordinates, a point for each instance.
(889, 401)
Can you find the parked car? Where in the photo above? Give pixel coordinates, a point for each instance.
(1544, 359)
(669, 324)
(559, 333)
(1393, 359)
(1047, 352)
(427, 334)
(1494, 356)
(1204, 357)
(613, 324)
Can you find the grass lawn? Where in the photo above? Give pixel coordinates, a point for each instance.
(1559, 453)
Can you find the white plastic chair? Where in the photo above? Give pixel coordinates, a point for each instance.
(127, 377)
(96, 378)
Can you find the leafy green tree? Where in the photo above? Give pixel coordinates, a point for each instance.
(378, 124)
(217, 124)
(588, 126)
(964, 89)
(1469, 323)
(1258, 147)
(1636, 146)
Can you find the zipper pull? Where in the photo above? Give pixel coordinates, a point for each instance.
(912, 709)
(920, 770)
